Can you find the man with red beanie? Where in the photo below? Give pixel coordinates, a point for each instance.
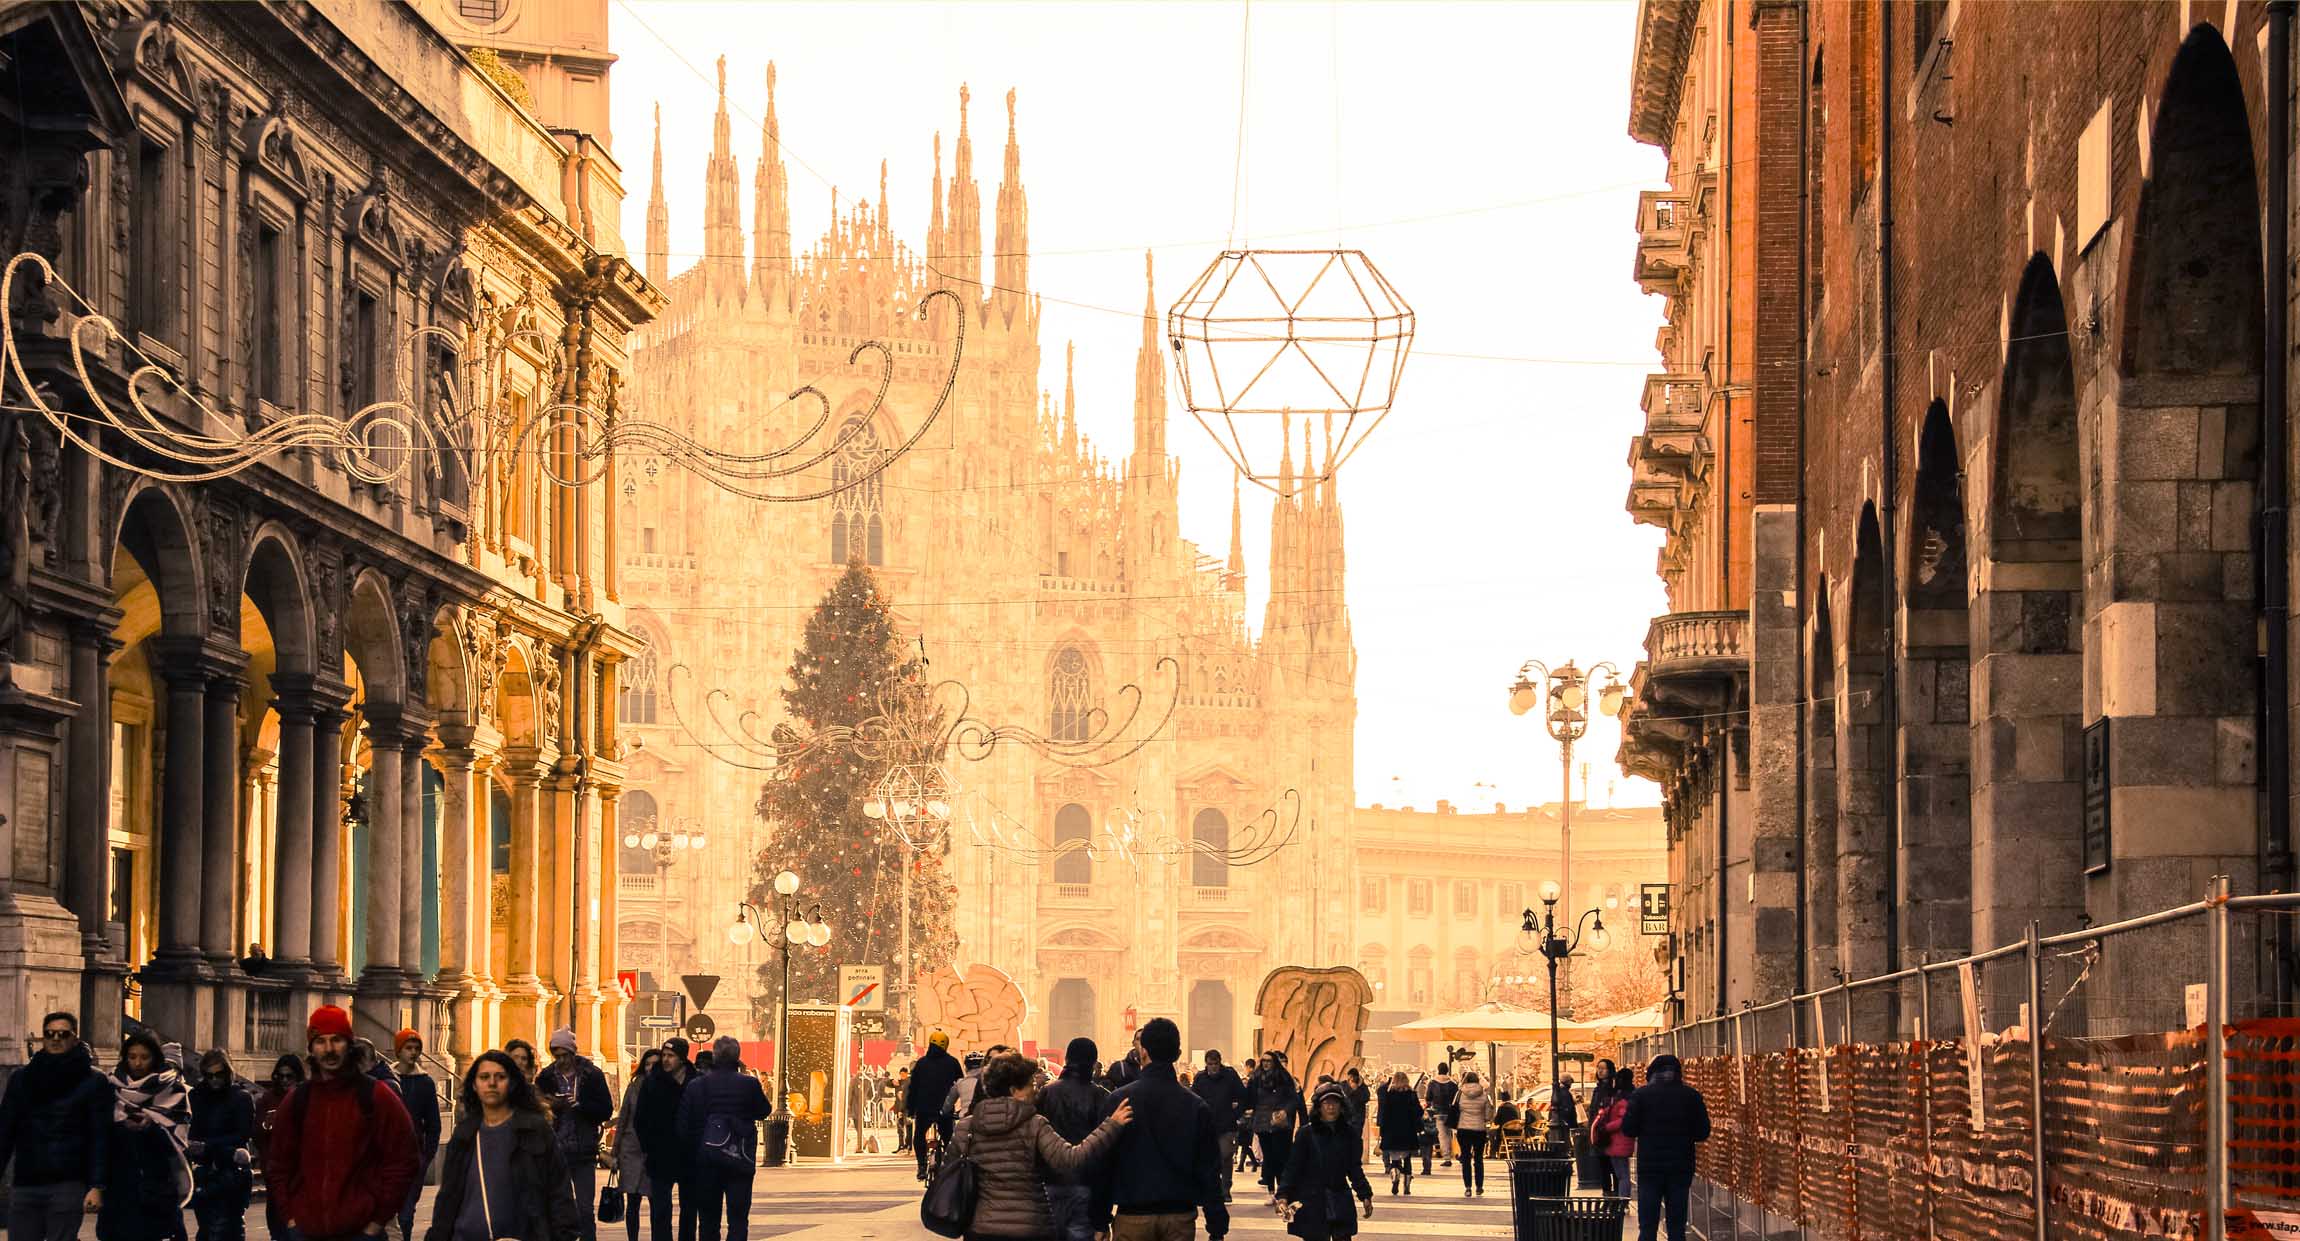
(342, 1155)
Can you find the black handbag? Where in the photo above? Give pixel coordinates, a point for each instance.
(947, 1210)
(611, 1198)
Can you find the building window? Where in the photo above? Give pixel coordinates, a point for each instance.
(1210, 849)
(1373, 895)
(1418, 898)
(152, 274)
(366, 321)
(484, 12)
(1509, 898)
(1925, 23)
(639, 677)
(1468, 985)
(647, 539)
(1070, 697)
(1073, 824)
(858, 531)
(1464, 899)
(264, 289)
(1420, 979)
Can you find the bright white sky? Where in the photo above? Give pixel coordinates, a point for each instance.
(1476, 152)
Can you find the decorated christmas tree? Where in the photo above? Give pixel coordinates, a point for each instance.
(851, 663)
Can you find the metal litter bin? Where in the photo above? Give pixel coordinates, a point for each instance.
(778, 1143)
(1572, 1219)
(1535, 1178)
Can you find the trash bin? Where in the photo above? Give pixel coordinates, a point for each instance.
(1532, 1178)
(778, 1141)
(1588, 1165)
(1572, 1219)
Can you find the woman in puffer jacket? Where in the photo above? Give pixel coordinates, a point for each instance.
(1476, 1107)
(630, 1161)
(1013, 1147)
(1398, 1123)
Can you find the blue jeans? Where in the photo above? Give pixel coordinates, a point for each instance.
(1073, 1208)
(1659, 1190)
(1617, 1169)
(46, 1212)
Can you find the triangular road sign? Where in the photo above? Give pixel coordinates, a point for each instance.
(699, 988)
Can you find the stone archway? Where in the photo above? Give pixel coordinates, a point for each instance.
(2028, 677)
(1820, 877)
(2176, 622)
(1865, 789)
(1934, 902)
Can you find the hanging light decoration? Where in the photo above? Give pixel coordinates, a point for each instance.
(1262, 335)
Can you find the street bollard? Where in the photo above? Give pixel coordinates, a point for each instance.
(778, 1139)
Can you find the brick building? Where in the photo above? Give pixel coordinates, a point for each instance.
(2005, 651)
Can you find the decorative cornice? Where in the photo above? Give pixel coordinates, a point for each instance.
(1657, 69)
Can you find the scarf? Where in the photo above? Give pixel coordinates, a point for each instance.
(159, 1099)
(50, 1077)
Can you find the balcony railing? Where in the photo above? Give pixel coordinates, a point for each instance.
(1697, 644)
(1673, 402)
(1663, 220)
(1206, 896)
(1073, 891)
(642, 886)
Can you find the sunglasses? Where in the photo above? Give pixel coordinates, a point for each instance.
(59, 1036)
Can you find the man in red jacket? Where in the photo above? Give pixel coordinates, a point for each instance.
(342, 1155)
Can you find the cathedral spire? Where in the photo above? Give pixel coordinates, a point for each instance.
(1069, 400)
(722, 209)
(658, 217)
(1286, 457)
(963, 243)
(937, 247)
(885, 230)
(1237, 537)
(1013, 258)
(771, 211)
(1149, 375)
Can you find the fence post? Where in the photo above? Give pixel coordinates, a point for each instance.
(2036, 1073)
(2216, 1119)
(1922, 1047)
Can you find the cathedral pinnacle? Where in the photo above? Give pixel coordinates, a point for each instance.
(771, 211)
(963, 244)
(1069, 399)
(1012, 268)
(1150, 375)
(658, 216)
(722, 212)
(1237, 536)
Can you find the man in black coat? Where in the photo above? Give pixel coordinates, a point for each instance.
(1164, 1167)
(55, 1121)
(1072, 1103)
(1667, 1117)
(223, 1124)
(657, 1124)
(580, 1104)
(1225, 1096)
(722, 1155)
(930, 1081)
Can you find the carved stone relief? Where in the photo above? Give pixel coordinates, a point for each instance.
(1316, 1017)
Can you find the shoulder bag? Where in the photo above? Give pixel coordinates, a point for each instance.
(486, 1208)
(947, 1210)
(611, 1196)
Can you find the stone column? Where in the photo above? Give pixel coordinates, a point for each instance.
(220, 829)
(292, 864)
(87, 814)
(612, 1000)
(182, 805)
(379, 982)
(522, 988)
(459, 931)
(328, 717)
(413, 741)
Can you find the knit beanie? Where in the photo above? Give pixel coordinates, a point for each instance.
(403, 1038)
(1082, 1051)
(328, 1019)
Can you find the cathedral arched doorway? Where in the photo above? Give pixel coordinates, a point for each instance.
(1935, 816)
(1070, 1014)
(1865, 767)
(1211, 1014)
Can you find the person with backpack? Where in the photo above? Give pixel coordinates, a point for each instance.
(1606, 1138)
(502, 1175)
(54, 1126)
(1667, 1118)
(670, 1164)
(343, 1149)
(930, 1080)
(223, 1126)
(580, 1102)
(1072, 1104)
(719, 1115)
(1018, 1153)
(1473, 1111)
(421, 1095)
(1324, 1170)
(1440, 1097)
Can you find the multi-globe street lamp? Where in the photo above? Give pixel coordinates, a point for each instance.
(806, 929)
(913, 798)
(1563, 695)
(1540, 935)
(666, 843)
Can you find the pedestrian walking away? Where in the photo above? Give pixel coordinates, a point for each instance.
(930, 1080)
(719, 1115)
(669, 1163)
(55, 1122)
(1164, 1171)
(220, 1149)
(1667, 1118)
(342, 1153)
(1072, 1104)
(1361, 1098)
(1225, 1095)
(1277, 1103)
(1473, 1112)
(1245, 1134)
(1439, 1096)
(1398, 1123)
(150, 1176)
(1324, 1172)
(421, 1095)
(1607, 1138)
(1020, 1157)
(630, 1161)
(502, 1177)
(576, 1091)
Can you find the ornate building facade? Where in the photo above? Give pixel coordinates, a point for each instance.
(294, 735)
(1034, 570)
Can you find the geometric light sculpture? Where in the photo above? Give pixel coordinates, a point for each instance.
(1265, 334)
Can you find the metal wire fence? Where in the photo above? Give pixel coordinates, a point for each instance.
(2134, 1082)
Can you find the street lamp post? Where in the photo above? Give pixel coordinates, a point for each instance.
(913, 798)
(666, 844)
(1565, 690)
(810, 930)
(1556, 949)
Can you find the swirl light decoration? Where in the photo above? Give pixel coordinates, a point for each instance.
(477, 422)
(1129, 838)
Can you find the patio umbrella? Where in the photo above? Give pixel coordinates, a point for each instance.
(1486, 1023)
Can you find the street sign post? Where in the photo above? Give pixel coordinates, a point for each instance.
(863, 987)
(659, 1023)
(700, 988)
(700, 1028)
